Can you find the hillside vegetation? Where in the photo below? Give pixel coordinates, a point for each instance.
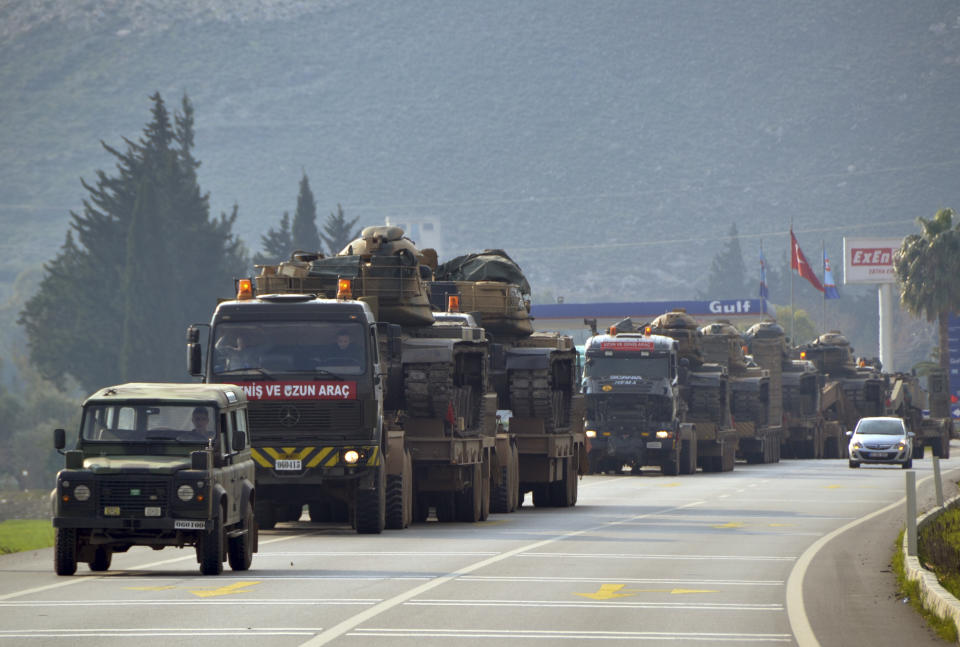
(607, 145)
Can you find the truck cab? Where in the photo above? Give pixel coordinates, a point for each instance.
(157, 465)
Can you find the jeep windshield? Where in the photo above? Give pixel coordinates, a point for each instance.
(267, 348)
(652, 367)
(149, 423)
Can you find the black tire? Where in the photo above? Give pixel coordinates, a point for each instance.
(671, 467)
(372, 506)
(210, 548)
(469, 500)
(541, 496)
(421, 508)
(854, 464)
(240, 549)
(264, 514)
(500, 495)
(909, 464)
(102, 557)
(395, 516)
(446, 507)
(65, 551)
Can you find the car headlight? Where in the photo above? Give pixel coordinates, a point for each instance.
(591, 433)
(351, 457)
(185, 493)
(901, 445)
(81, 492)
(857, 444)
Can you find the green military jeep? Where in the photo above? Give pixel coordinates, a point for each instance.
(157, 465)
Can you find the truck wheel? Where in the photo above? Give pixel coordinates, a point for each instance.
(400, 496)
(485, 491)
(500, 497)
(446, 507)
(671, 467)
(210, 548)
(264, 515)
(240, 549)
(541, 496)
(470, 499)
(516, 496)
(102, 557)
(917, 451)
(65, 551)
(372, 506)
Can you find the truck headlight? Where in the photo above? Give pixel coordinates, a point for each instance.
(351, 456)
(591, 433)
(185, 493)
(81, 492)
(663, 433)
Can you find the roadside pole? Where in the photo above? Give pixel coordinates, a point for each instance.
(911, 513)
(936, 480)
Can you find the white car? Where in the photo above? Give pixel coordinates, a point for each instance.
(881, 440)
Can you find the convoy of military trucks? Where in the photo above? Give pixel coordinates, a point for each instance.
(378, 387)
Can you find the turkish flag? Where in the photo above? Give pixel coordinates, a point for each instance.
(799, 263)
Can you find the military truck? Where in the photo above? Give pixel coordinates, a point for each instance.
(316, 407)
(635, 412)
(438, 412)
(849, 389)
(704, 389)
(756, 413)
(799, 395)
(534, 375)
(906, 398)
(157, 465)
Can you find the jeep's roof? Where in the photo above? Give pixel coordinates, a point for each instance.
(222, 395)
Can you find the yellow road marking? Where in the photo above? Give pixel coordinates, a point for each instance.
(608, 592)
(150, 588)
(230, 589)
(781, 525)
(833, 487)
(670, 485)
(732, 524)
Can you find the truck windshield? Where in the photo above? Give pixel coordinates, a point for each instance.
(136, 422)
(647, 367)
(272, 347)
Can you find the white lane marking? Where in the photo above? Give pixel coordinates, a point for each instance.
(569, 635)
(745, 558)
(159, 631)
(191, 602)
(351, 623)
(605, 605)
(796, 611)
(374, 553)
(67, 581)
(508, 578)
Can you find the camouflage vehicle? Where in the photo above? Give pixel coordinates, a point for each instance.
(438, 413)
(157, 465)
(534, 375)
(705, 391)
(906, 398)
(310, 369)
(849, 389)
(634, 407)
(756, 414)
(799, 396)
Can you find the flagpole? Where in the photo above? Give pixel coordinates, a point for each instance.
(823, 262)
(792, 338)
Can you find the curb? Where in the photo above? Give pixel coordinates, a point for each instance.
(934, 597)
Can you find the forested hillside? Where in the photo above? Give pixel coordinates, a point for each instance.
(608, 146)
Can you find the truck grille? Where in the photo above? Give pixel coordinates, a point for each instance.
(303, 420)
(133, 496)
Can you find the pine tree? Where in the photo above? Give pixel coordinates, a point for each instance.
(142, 261)
(277, 244)
(727, 278)
(304, 230)
(338, 233)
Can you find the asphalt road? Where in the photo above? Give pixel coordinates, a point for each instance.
(701, 559)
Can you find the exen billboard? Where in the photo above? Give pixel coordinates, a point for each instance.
(869, 260)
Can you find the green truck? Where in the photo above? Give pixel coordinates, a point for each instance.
(157, 465)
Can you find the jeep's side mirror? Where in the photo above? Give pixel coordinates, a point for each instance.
(239, 440)
(59, 439)
(849, 433)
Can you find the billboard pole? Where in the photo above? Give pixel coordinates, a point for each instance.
(885, 298)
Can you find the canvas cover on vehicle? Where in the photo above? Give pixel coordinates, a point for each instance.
(488, 265)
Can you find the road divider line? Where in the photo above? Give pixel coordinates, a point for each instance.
(351, 623)
(577, 635)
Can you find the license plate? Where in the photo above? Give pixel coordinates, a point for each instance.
(654, 444)
(878, 455)
(183, 524)
(288, 464)
(111, 511)
(151, 511)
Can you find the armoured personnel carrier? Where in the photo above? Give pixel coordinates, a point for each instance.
(705, 390)
(534, 374)
(849, 389)
(799, 396)
(906, 398)
(756, 413)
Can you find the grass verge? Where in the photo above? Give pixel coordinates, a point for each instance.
(17, 535)
(911, 591)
